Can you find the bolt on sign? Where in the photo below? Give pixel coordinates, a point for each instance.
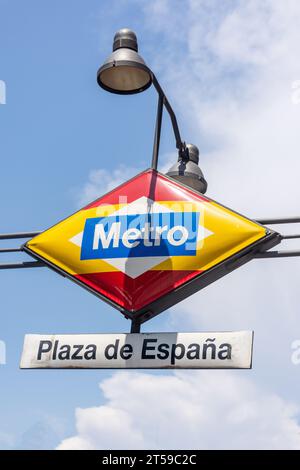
(149, 244)
(225, 350)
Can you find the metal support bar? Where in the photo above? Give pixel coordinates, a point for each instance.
(280, 254)
(10, 236)
(289, 237)
(285, 220)
(157, 132)
(25, 264)
(135, 326)
(179, 143)
(277, 254)
(9, 250)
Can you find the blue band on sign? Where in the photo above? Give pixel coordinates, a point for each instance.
(140, 235)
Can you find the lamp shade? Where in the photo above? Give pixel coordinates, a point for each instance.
(124, 71)
(187, 171)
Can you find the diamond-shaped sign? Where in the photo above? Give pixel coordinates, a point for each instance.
(150, 243)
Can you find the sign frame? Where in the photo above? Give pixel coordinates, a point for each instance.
(190, 287)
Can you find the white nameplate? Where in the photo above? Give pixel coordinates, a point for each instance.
(226, 350)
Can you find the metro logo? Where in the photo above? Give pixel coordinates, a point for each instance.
(149, 243)
(140, 235)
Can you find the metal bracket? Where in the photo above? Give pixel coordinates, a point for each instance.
(163, 101)
(283, 253)
(135, 326)
(23, 264)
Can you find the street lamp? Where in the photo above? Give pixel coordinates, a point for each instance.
(125, 72)
(187, 171)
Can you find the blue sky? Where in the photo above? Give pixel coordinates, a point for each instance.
(229, 73)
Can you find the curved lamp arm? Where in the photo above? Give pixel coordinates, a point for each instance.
(163, 101)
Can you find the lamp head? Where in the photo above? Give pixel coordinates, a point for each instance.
(124, 71)
(187, 171)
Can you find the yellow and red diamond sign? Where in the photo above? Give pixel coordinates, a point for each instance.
(149, 243)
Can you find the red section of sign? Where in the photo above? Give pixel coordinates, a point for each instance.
(134, 294)
(151, 185)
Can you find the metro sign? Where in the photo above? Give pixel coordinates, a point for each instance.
(149, 244)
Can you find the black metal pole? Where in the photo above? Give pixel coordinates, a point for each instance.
(157, 132)
(290, 237)
(277, 254)
(10, 236)
(179, 143)
(25, 264)
(284, 220)
(135, 326)
(9, 250)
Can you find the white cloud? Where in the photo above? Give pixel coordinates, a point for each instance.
(186, 410)
(102, 181)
